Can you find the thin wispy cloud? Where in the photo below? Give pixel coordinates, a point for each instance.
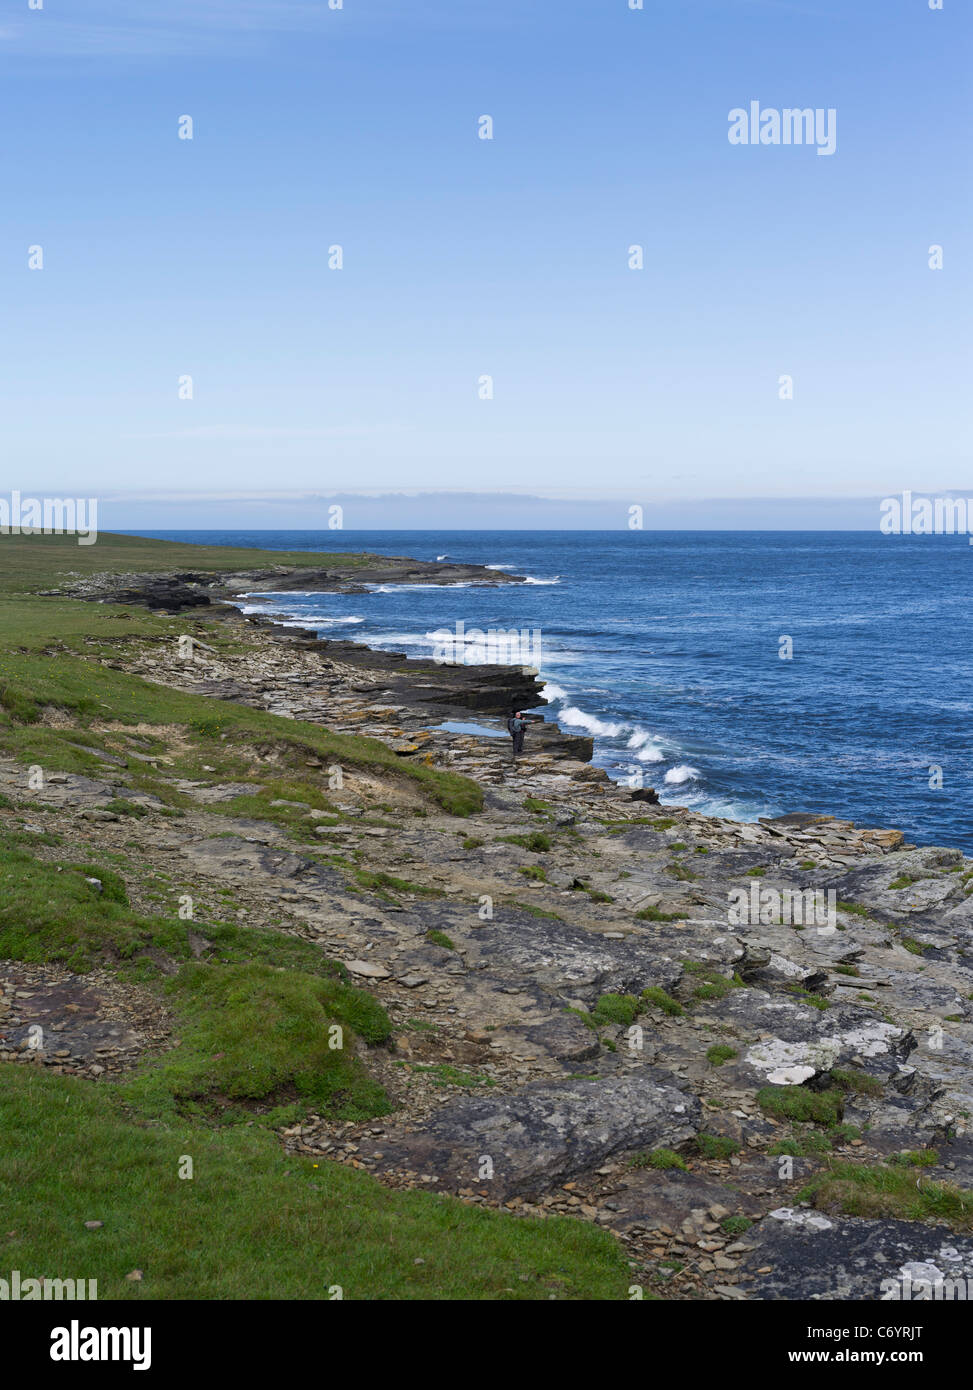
(153, 28)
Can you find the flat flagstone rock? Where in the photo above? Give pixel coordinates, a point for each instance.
(545, 1133)
(368, 968)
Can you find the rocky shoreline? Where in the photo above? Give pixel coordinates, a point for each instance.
(582, 1024)
(414, 692)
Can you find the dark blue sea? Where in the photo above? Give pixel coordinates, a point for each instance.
(666, 647)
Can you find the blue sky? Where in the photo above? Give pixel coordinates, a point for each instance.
(462, 257)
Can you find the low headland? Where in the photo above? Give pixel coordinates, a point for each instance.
(425, 1021)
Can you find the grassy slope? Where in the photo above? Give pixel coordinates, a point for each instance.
(47, 647)
(29, 563)
(253, 1223)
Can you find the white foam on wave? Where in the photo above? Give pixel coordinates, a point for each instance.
(445, 634)
(580, 719)
(529, 579)
(640, 737)
(485, 647)
(287, 621)
(285, 593)
(644, 744)
(683, 773)
(725, 807)
(404, 588)
(651, 753)
(412, 639)
(310, 619)
(553, 692)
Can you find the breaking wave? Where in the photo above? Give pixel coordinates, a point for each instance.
(683, 773)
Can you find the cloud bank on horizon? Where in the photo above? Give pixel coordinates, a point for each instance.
(435, 510)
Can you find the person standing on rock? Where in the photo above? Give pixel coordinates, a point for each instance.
(516, 727)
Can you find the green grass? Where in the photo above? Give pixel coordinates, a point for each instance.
(716, 1146)
(714, 985)
(662, 1000)
(817, 1001)
(812, 1143)
(856, 1082)
(652, 914)
(661, 1159)
(720, 1053)
(798, 1103)
(49, 913)
(254, 1222)
(533, 911)
(29, 563)
(112, 888)
(679, 871)
(889, 1190)
(122, 807)
(85, 690)
(253, 1020)
(256, 1033)
(379, 881)
(616, 1008)
(536, 841)
(295, 819)
(807, 1145)
(51, 654)
(916, 1158)
(439, 938)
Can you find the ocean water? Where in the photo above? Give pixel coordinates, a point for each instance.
(666, 647)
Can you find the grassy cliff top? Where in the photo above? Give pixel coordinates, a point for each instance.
(29, 563)
(60, 654)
